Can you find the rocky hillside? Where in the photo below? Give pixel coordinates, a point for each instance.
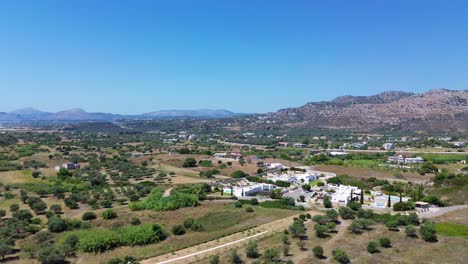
(436, 110)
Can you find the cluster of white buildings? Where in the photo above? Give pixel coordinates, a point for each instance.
(293, 178)
(226, 155)
(403, 159)
(343, 194)
(248, 189)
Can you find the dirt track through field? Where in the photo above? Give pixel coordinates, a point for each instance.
(214, 247)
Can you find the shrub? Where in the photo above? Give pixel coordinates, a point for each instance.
(135, 221)
(318, 251)
(428, 232)
(125, 260)
(271, 255)
(392, 225)
(340, 255)
(372, 247)
(214, 259)
(14, 207)
(88, 216)
(252, 249)
(385, 242)
(238, 174)
(189, 222)
(109, 214)
(189, 162)
(410, 231)
(56, 208)
(48, 254)
(234, 258)
(56, 225)
(346, 213)
(197, 227)
(327, 203)
(238, 204)
(354, 206)
(249, 209)
(156, 201)
(178, 230)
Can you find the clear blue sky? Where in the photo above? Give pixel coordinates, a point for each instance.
(243, 55)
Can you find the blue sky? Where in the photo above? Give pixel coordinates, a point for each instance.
(243, 55)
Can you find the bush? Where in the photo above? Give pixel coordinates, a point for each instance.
(249, 209)
(327, 203)
(340, 255)
(88, 216)
(318, 251)
(234, 258)
(346, 213)
(214, 259)
(197, 227)
(428, 232)
(189, 163)
(178, 230)
(156, 201)
(109, 214)
(373, 247)
(392, 225)
(188, 223)
(56, 208)
(385, 242)
(56, 225)
(48, 254)
(410, 231)
(238, 204)
(238, 174)
(14, 207)
(252, 249)
(135, 221)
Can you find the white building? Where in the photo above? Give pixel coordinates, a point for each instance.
(277, 166)
(414, 160)
(343, 194)
(291, 177)
(388, 146)
(250, 190)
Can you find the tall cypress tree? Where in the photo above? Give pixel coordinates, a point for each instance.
(389, 203)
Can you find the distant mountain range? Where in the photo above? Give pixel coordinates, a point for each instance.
(77, 114)
(435, 110)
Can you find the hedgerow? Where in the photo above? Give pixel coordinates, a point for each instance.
(156, 201)
(99, 240)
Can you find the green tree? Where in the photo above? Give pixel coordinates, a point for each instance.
(214, 259)
(252, 249)
(178, 230)
(410, 231)
(318, 252)
(189, 163)
(109, 214)
(346, 213)
(48, 254)
(385, 242)
(234, 258)
(56, 208)
(428, 232)
(56, 225)
(332, 215)
(327, 203)
(373, 247)
(340, 255)
(270, 255)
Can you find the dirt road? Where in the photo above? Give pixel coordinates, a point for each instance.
(214, 247)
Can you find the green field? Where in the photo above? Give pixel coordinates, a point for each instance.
(452, 230)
